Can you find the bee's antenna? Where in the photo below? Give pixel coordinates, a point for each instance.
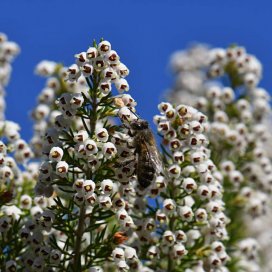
(138, 116)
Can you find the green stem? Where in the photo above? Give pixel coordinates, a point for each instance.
(82, 213)
(79, 234)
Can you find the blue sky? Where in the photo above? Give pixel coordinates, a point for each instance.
(144, 33)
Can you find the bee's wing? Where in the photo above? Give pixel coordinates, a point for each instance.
(154, 154)
(157, 161)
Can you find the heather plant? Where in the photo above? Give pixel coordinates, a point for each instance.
(93, 192)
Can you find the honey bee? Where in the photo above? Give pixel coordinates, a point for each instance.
(148, 161)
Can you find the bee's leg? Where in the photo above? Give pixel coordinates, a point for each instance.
(130, 133)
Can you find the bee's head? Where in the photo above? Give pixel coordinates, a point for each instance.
(139, 124)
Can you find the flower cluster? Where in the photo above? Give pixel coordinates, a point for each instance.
(46, 111)
(194, 66)
(83, 151)
(105, 61)
(8, 51)
(21, 237)
(238, 113)
(193, 206)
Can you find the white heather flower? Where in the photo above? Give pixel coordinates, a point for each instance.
(3, 38)
(109, 150)
(11, 211)
(169, 238)
(179, 250)
(45, 169)
(152, 252)
(62, 168)
(105, 202)
(251, 80)
(189, 185)
(178, 156)
(227, 166)
(99, 64)
(45, 68)
(218, 246)
(213, 207)
(192, 236)
(130, 253)
(76, 101)
(170, 114)
(122, 214)
(122, 266)
(169, 205)
(81, 136)
(122, 69)
(161, 217)
(78, 185)
(174, 171)
(102, 134)
(214, 260)
(87, 69)
(164, 107)
(204, 192)
(91, 53)
(11, 266)
(121, 85)
(180, 236)
(107, 186)
(227, 95)
(89, 186)
(186, 213)
(40, 112)
(126, 115)
(25, 202)
(94, 161)
(119, 203)
(104, 47)
(90, 147)
(81, 58)
(105, 86)
(55, 256)
(6, 173)
(79, 198)
(90, 198)
(163, 127)
(112, 57)
(118, 254)
(46, 220)
(73, 72)
(56, 154)
(36, 211)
